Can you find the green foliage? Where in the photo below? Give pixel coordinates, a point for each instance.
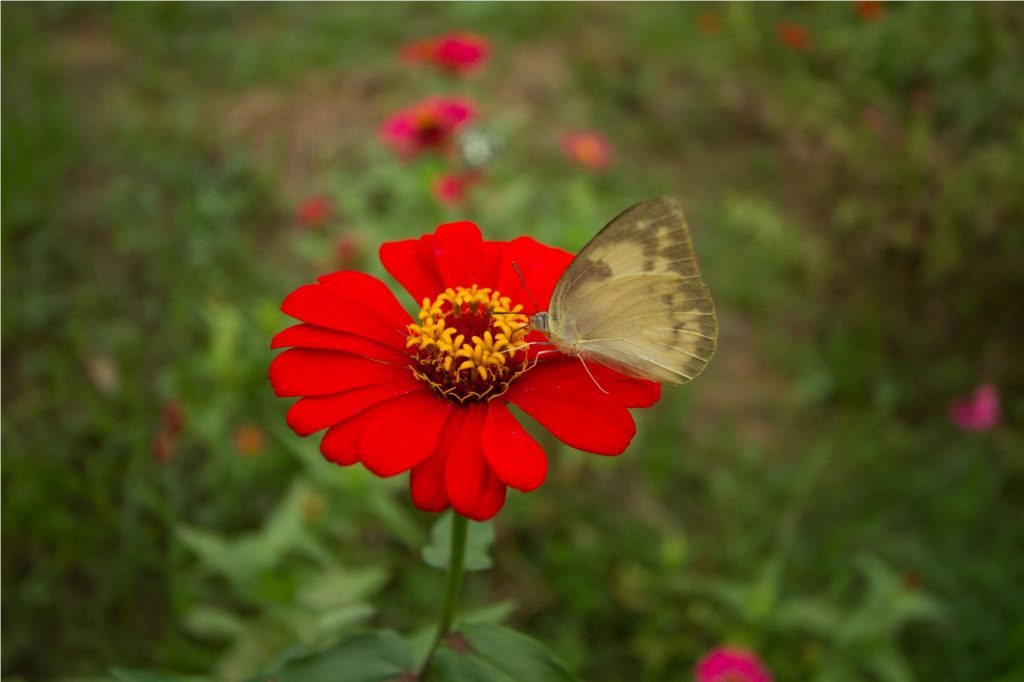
(369, 657)
(482, 652)
(479, 539)
(855, 207)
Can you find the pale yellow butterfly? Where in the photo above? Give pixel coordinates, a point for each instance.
(632, 299)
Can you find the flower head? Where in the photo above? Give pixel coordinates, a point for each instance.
(429, 125)
(249, 440)
(869, 10)
(731, 665)
(977, 412)
(165, 440)
(455, 53)
(314, 211)
(709, 23)
(451, 188)
(430, 395)
(793, 36)
(587, 148)
(348, 250)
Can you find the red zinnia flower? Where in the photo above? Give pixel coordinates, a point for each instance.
(451, 188)
(709, 23)
(428, 125)
(456, 53)
(250, 439)
(793, 36)
(165, 440)
(587, 148)
(870, 10)
(429, 396)
(731, 665)
(314, 211)
(348, 250)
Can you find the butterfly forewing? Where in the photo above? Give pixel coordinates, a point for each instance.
(633, 299)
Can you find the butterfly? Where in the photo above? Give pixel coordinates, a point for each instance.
(633, 299)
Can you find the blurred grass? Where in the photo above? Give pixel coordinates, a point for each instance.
(856, 208)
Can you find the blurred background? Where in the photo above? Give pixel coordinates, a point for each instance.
(841, 492)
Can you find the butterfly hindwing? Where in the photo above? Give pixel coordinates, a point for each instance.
(633, 299)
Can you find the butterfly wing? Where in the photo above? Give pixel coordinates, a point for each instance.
(633, 298)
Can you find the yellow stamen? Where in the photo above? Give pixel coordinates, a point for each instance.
(482, 367)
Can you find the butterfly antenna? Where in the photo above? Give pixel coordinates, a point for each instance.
(592, 376)
(515, 266)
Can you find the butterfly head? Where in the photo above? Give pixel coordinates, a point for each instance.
(539, 321)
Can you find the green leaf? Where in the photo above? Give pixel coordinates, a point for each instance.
(478, 544)
(122, 675)
(368, 657)
(482, 651)
(213, 623)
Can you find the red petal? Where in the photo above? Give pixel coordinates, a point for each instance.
(457, 248)
(514, 456)
(411, 262)
(401, 436)
(473, 489)
(577, 414)
(426, 481)
(628, 391)
(567, 374)
(353, 302)
(321, 372)
(309, 415)
(541, 266)
(341, 442)
(309, 336)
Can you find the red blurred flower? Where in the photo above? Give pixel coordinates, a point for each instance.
(977, 412)
(456, 53)
(430, 395)
(428, 125)
(793, 36)
(587, 148)
(165, 440)
(250, 440)
(869, 10)
(731, 665)
(451, 188)
(348, 250)
(314, 211)
(709, 23)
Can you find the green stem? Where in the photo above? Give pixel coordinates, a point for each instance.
(460, 526)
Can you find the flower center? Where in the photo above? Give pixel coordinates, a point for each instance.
(429, 131)
(469, 343)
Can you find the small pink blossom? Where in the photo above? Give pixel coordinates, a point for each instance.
(314, 211)
(457, 53)
(429, 125)
(451, 188)
(348, 251)
(977, 412)
(587, 148)
(731, 665)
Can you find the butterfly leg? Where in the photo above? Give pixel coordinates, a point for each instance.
(592, 376)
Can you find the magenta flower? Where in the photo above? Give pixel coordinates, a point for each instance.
(725, 664)
(314, 211)
(455, 53)
(429, 125)
(977, 412)
(451, 188)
